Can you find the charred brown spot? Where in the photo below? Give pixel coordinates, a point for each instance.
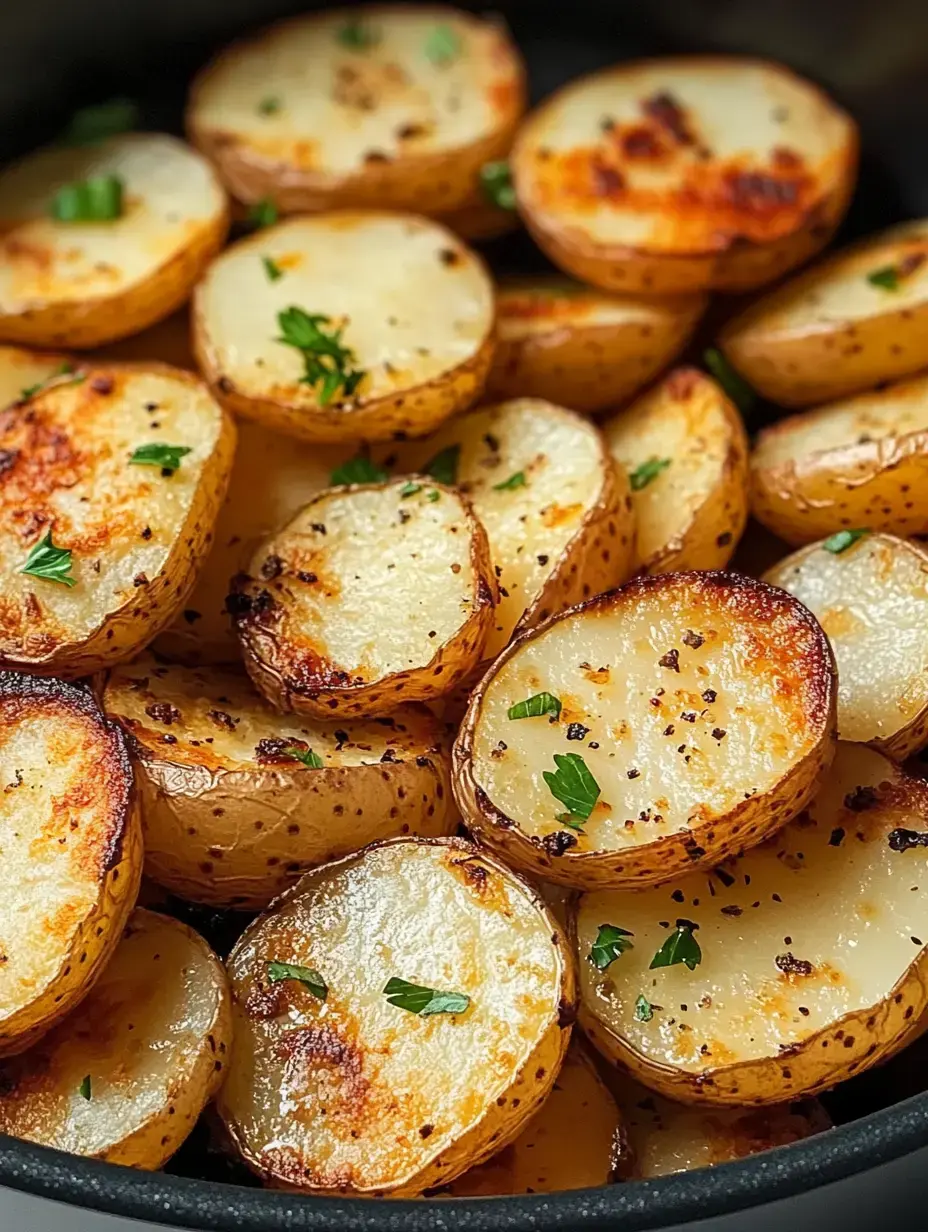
(664, 109)
(607, 181)
(758, 192)
(790, 965)
(102, 384)
(861, 799)
(566, 1012)
(559, 842)
(670, 660)
(163, 712)
(221, 719)
(272, 751)
(905, 840)
(272, 567)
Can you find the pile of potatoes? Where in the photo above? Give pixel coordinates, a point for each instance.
(388, 605)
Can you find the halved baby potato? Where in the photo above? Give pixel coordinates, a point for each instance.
(238, 801)
(101, 276)
(23, 372)
(399, 1016)
(685, 173)
(871, 598)
(557, 514)
(374, 594)
(669, 724)
(391, 106)
(685, 451)
(71, 843)
(851, 321)
(779, 973)
(861, 461)
(126, 1076)
(110, 481)
(580, 347)
(348, 326)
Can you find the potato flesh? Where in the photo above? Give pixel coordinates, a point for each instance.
(872, 601)
(435, 914)
(170, 196)
(535, 307)
(828, 890)
(20, 370)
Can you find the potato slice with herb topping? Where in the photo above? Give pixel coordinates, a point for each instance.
(685, 173)
(373, 595)
(415, 957)
(71, 843)
(780, 973)
(100, 241)
(349, 326)
(238, 801)
(109, 486)
(870, 593)
(685, 451)
(23, 372)
(126, 1076)
(648, 731)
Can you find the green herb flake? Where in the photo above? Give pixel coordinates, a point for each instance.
(272, 269)
(841, 540)
(644, 1011)
(262, 214)
(85, 1089)
(886, 277)
(269, 106)
(572, 784)
(509, 485)
(49, 562)
(733, 383)
(535, 707)
(98, 199)
(443, 45)
(443, 468)
(433, 496)
(680, 947)
(154, 453)
(571, 820)
(102, 120)
(424, 1001)
(31, 390)
(410, 489)
(279, 972)
(497, 185)
(611, 941)
(358, 35)
(360, 469)
(647, 472)
(306, 756)
(328, 363)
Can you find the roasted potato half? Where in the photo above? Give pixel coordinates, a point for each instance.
(23, 372)
(649, 731)
(110, 482)
(125, 1077)
(99, 241)
(871, 598)
(557, 514)
(372, 595)
(681, 174)
(415, 957)
(346, 327)
(238, 801)
(851, 321)
(391, 106)
(685, 451)
(72, 857)
(580, 347)
(779, 973)
(862, 461)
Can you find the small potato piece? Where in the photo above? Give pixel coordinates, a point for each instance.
(391, 106)
(373, 595)
(135, 533)
(540, 478)
(685, 450)
(71, 843)
(702, 705)
(81, 284)
(572, 1142)
(125, 1077)
(582, 348)
(862, 461)
(851, 321)
(811, 964)
(21, 371)
(872, 600)
(682, 174)
(411, 1101)
(415, 308)
(232, 817)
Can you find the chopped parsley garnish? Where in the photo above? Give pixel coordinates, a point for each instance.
(647, 472)
(85, 1089)
(263, 213)
(328, 364)
(102, 120)
(841, 540)
(433, 496)
(509, 485)
(680, 947)
(733, 383)
(278, 972)
(886, 277)
(535, 707)
(49, 562)
(497, 185)
(424, 1001)
(306, 756)
(154, 453)
(98, 199)
(443, 45)
(269, 105)
(444, 466)
(644, 1011)
(573, 785)
(571, 820)
(358, 35)
(272, 269)
(410, 489)
(360, 469)
(610, 942)
(31, 390)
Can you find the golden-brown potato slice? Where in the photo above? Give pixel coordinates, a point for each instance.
(557, 515)
(125, 1077)
(446, 918)
(112, 545)
(234, 804)
(373, 595)
(685, 451)
(812, 965)
(71, 843)
(685, 173)
(678, 719)
(580, 347)
(572, 1142)
(22, 371)
(410, 305)
(80, 284)
(871, 597)
(853, 320)
(391, 106)
(862, 461)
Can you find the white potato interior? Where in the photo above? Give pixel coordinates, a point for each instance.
(547, 304)
(21, 370)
